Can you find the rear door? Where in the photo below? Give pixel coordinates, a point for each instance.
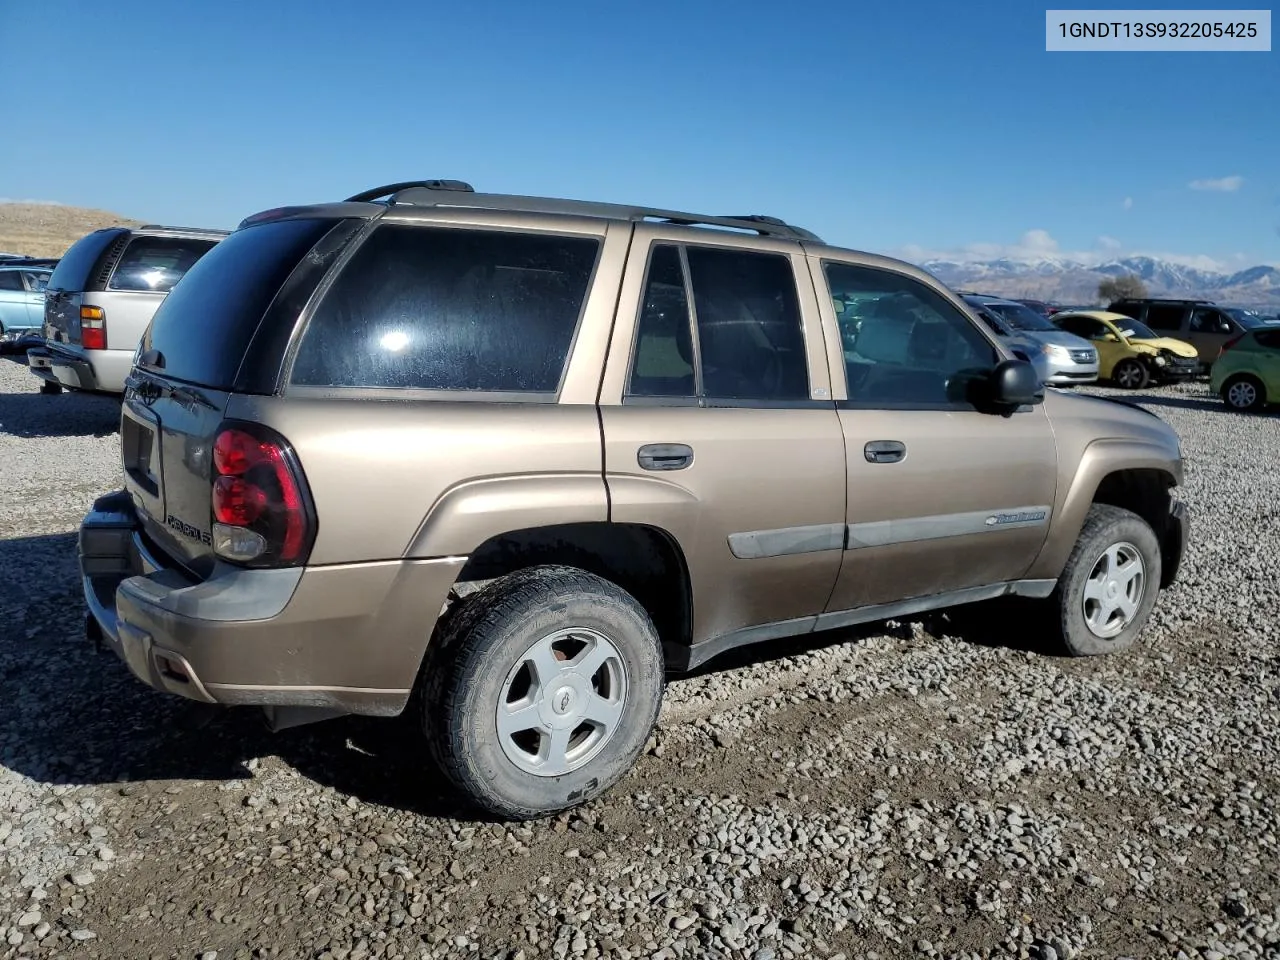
(719, 426)
(1209, 329)
(13, 300)
(941, 497)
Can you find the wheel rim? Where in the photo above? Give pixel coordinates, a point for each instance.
(1129, 374)
(562, 702)
(1113, 593)
(1242, 393)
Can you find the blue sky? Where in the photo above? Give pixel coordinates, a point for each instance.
(918, 128)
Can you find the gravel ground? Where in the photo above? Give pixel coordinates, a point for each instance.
(933, 788)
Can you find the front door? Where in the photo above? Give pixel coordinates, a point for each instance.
(941, 497)
(1210, 328)
(719, 426)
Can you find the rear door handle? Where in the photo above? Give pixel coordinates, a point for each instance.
(884, 451)
(664, 456)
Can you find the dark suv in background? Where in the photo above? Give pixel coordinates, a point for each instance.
(1202, 323)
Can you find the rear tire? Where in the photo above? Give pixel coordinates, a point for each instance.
(542, 691)
(1245, 393)
(1109, 584)
(1131, 375)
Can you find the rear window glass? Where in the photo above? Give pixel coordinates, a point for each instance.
(450, 309)
(72, 272)
(155, 264)
(203, 327)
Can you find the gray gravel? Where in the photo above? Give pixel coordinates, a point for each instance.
(940, 787)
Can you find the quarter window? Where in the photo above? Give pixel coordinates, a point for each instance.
(435, 308)
(905, 345)
(749, 343)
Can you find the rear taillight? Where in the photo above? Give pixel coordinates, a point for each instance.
(261, 513)
(1229, 344)
(93, 328)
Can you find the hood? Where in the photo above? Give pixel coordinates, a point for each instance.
(1059, 338)
(1177, 347)
(1090, 418)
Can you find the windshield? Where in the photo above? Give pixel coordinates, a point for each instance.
(1133, 330)
(1246, 318)
(1021, 317)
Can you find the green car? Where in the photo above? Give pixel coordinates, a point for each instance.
(1247, 371)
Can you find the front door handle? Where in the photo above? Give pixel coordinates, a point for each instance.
(665, 456)
(884, 451)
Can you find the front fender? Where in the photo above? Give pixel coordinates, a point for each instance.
(1100, 459)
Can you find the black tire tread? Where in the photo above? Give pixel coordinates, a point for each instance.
(466, 630)
(1100, 518)
(1237, 377)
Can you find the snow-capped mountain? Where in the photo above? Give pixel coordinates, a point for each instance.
(1071, 281)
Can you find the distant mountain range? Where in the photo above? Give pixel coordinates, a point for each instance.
(1069, 281)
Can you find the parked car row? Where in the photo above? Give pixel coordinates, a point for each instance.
(1137, 343)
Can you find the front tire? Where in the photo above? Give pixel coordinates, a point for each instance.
(50, 389)
(1131, 375)
(1244, 393)
(1109, 585)
(541, 693)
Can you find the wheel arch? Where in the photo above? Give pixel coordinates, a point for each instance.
(1133, 474)
(644, 560)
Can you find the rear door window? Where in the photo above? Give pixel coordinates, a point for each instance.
(453, 309)
(10, 280)
(1165, 317)
(155, 264)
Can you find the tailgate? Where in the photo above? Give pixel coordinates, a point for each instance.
(166, 444)
(62, 316)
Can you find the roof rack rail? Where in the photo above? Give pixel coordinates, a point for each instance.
(458, 186)
(452, 193)
(162, 226)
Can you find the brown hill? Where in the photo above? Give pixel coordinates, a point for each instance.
(46, 229)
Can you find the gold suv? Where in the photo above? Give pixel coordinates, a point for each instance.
(505, 461)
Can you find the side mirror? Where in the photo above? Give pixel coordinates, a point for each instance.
(1015, 383)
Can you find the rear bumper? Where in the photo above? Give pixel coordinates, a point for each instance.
(62, 367)
(344, 638)
(101, 371)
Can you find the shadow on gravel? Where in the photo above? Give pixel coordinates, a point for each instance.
(67, 414)
(72, 715)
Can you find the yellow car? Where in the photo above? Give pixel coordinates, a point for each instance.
(1129, 354)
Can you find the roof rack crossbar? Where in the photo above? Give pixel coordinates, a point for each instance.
(429, 195)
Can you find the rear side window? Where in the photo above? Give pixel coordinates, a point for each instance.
(434, 308)
(10, 280)
(73, 270)
(155, 264)
(203, 327)
(1164, 316)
